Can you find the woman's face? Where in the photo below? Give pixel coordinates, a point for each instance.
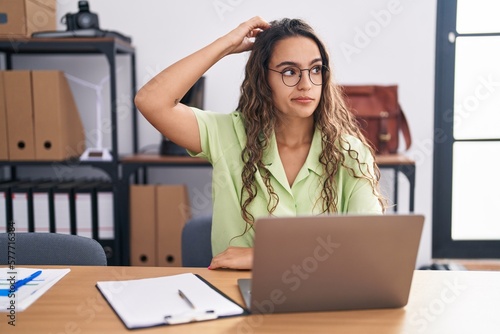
(293, 56)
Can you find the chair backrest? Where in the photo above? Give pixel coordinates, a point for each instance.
(51, 249)
(196, 242)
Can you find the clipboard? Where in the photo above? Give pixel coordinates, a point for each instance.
(167, 300)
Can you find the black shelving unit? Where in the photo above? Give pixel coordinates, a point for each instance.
(109, 48)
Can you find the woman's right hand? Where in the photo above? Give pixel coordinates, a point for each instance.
(242, 37)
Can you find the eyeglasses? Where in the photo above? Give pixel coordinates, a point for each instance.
(291, 75)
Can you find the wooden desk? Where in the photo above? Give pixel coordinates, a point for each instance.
(440, 302)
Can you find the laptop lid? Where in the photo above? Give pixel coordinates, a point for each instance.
(324, 263)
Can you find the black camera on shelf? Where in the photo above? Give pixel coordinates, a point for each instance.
(84, 19)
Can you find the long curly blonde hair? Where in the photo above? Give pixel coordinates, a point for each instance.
(260, 116)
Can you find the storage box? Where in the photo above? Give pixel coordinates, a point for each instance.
(158, 214)
(19, 107)
(21, 18)
(59, 132)
(172, 212)
(143, 225)
(4, 143)
(43, 122)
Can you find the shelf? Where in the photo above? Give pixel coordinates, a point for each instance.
(64, 45)
(109, 48)
(162, 159)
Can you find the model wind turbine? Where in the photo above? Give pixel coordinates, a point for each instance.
(97, 153)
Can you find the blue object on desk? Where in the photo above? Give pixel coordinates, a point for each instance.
(20, 283)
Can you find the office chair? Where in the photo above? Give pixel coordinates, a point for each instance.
(51, 249)
(196, 242)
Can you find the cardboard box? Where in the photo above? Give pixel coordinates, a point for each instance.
(173, 211)
(21, 18)
(4, 143)
(143, 225)
(18, 103)
(59, 133)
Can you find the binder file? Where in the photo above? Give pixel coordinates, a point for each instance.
(3, 209)
(43, 194)
(105, 216)
(22, 206)
(4, 142)
(105, 219)
(6, 215)
(86, 209)
(157, 216)
(142, 225)
(173, 211)
(64, 207)
(59, 132)
(18, 103)
(16, 205)
(87, 214)
(90, 211)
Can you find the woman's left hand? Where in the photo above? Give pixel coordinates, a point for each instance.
(233, 258)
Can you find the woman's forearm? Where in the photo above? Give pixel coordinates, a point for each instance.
(167, 88)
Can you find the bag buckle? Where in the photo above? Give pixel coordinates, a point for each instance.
(385, 137)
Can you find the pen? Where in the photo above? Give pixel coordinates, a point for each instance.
(20, 283)
(28, 279)
(183, 296)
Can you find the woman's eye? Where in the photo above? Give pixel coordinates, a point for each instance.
(289, 72)
(316, 69)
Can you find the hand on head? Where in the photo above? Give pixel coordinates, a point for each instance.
(242, 37)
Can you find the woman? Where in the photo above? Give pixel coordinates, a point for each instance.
(291, 148)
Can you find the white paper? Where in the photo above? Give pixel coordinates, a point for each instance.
(146, 302)
(29, 293)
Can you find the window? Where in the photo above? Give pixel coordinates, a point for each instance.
(466, 194)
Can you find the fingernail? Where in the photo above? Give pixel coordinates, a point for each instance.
(209, 268)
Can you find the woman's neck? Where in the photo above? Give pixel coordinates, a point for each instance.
(294, 133)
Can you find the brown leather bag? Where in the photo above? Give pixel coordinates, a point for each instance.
(379, 115)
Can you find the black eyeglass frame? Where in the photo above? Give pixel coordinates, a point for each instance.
(324, 68)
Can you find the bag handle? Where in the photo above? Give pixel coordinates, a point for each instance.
(405, 129)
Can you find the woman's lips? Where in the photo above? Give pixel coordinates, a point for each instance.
(303, 99)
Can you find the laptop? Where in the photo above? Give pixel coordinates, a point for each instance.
(326, 263)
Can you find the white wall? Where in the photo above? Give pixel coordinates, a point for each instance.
(377, 41)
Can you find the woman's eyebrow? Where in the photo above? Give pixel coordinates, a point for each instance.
(292, 63)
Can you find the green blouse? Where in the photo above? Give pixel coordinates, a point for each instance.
(222, 141)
